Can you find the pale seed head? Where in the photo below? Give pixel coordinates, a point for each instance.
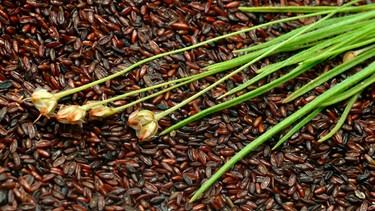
(44, 101)
(349, 56)
(140, 117)
(72, 114)
(147, 132)
(144, 123)
(100, 112)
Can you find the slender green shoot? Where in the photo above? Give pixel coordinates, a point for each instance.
(352, 91)
(120, 108)
(341, 120)
(298, 126)
(306, 9)
(330, 74)
(177, 83)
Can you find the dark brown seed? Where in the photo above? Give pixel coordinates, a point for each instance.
(59, 161)
(232, 4)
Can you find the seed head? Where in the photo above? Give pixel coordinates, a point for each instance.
(349, 56)
(100, 112)
(44, 101)
(72, 114)
(144, 123)
(147, 132)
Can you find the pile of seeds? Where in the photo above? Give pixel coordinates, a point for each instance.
(46, 165)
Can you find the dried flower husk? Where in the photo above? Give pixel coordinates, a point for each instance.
(72, 114)
(44, 101)
(144, 123)
(99, 112)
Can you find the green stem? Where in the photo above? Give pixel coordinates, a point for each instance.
(183, 103)
(240, 60)
(352, 91)
(298, 126)
(330, 74)
(199, 76)
(342, 118)
(189, 78)
(306, 9)
(286, 122)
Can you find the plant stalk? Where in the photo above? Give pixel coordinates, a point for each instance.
(83, 87)
(306, 9)
(286, 122)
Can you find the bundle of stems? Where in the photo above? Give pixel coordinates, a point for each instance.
(46, 102)
(349, 35)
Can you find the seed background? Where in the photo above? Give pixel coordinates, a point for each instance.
(101, 166)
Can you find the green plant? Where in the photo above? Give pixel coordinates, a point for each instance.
(357, 41)
(327, 38)
(47, 102)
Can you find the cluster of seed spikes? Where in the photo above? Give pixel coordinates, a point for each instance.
(46, 102)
